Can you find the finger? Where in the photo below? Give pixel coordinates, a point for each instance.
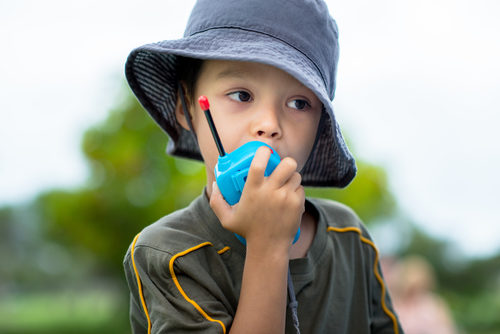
(301, 192)
(301, 195)
(294, 182)
(258, 165)
(218, 204)
(283, 172)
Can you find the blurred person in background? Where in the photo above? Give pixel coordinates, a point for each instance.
(411, 282)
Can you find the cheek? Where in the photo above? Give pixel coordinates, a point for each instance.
(303, 156)
(206, 144)
(227, 131)
(305, 141)
(232, 139)
(232, 131)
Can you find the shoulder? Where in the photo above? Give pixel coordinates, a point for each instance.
(174, 230)
(181, 232)
(172, 233)
(170, 264)
(186, 238)
(335, 213)
(339, 218)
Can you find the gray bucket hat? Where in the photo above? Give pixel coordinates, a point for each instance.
(297, 36)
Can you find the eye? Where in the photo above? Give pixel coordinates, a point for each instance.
(240, 96)
(298, 104)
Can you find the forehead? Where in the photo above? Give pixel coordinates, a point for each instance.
(229, 69)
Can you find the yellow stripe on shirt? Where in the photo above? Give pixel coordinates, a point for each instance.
(139, 285)
(375, 270)
(176, 281)
(177, 284)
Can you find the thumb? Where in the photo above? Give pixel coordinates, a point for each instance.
(217, 202)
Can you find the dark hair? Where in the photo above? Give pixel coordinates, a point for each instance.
(188, 71)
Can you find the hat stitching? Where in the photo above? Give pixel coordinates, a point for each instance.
(270, 35)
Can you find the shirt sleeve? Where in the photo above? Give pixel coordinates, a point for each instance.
(168, 294)
(384, 318)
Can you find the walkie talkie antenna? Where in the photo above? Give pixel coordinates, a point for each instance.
(205, 106)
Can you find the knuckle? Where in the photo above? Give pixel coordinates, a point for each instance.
(258, 167)
(259, 161)
(263, 149)
(290, 162)
(298, 177)
(281, 195)
(300, 195)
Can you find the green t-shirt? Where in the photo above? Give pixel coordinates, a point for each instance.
(184, 273)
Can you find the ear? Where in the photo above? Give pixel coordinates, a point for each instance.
(179, 109)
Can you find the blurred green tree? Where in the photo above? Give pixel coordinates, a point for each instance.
(133, 182)
(368, 194)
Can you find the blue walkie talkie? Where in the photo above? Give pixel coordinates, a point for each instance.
(232, 168)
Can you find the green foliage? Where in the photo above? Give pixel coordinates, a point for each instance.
(478, 313)
(455, 274)
(64, 312)
(436, 252)
(132, 183)
(473, 291)
(23, 252)
(368, 194)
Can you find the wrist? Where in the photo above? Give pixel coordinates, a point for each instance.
(274, 252)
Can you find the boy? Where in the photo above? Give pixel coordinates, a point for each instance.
(268, 69)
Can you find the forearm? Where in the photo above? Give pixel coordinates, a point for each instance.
(262, 303)
(267, 216)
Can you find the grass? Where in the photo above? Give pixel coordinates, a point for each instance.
(81, 312)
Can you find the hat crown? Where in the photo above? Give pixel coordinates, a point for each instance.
(306, 25)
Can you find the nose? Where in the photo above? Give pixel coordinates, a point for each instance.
(266, 124)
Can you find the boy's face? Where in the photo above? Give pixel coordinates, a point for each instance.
(251, 101)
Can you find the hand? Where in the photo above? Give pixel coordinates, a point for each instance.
(270, 209)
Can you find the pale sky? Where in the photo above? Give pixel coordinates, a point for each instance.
(417, 93)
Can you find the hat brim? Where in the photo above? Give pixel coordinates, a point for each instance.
(152, 76)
